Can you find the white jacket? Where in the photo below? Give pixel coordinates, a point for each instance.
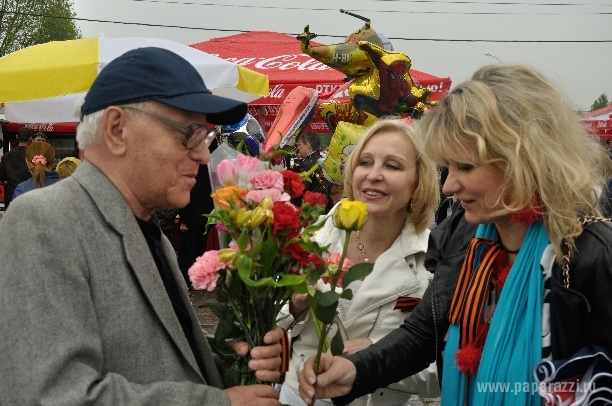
(398, 272)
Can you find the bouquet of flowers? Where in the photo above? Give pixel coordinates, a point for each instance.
(270, 255)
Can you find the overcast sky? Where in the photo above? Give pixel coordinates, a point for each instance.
(446, 38)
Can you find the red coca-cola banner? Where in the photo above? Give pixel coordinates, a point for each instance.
(43, 127)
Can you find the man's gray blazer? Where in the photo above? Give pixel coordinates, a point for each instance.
(85, 317)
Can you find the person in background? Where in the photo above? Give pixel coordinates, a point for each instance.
(534, 284)
(40, 137)
(14, 169)
(192, 223)
(102, 316)
(40, 158)
(67, 166)
(388, 171)
(608, 145)
(308, 153)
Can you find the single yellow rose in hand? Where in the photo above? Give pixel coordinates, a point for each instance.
(223, 196)
(350, 215)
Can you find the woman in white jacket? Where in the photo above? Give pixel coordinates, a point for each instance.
(386, 170)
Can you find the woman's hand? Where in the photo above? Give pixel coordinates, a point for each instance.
(336, 378)
(354, 345)
(265, 359)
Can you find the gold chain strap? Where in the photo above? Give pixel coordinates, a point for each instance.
(567, 249)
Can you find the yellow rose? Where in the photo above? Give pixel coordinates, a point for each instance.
(350, 215)
(223, 196)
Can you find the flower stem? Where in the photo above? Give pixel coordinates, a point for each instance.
(334, 280)
(317, 360)
(327, 327)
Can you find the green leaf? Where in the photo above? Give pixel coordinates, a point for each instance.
(329, 298)
(244, 263)
(347, 294)
(219, 310)
(291, 280)
(326, 307)
(325, 314)
(313, 297)
(221, 347)
(316, 274)
(269, 251)
(225, 328)
(244, 272)
(337, 344)
(357, 272)
(300, 288)
(244, 240)
(255, 250)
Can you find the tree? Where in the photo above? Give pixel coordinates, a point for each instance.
(602, 101)
(24, 23)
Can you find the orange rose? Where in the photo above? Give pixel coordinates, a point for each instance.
(223, 196)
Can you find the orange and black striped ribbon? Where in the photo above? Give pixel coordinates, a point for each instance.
(406, 303)
(472, 289)
(285, 352)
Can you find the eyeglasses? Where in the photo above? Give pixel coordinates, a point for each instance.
(194, 135)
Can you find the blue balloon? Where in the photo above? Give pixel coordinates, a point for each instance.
(247, 131)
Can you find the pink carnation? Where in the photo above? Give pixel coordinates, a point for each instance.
(204, 273)
(276, 195)
(267, 180)
(335, 257)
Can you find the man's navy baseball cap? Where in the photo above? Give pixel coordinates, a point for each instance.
(144, 74)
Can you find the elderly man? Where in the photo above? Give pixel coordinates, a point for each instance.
(94, 307)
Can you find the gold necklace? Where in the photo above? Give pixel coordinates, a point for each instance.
(360, 246)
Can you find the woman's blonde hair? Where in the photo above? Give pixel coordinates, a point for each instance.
(40, 157)
(512, 118)
(426, 196)
(67, 166)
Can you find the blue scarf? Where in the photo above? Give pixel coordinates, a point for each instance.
(513, 346)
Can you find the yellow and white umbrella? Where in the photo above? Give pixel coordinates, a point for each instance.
(41, 83)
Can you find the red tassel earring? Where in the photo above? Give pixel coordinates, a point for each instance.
(529, 214)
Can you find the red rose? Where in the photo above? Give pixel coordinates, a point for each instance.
(285, 217)
(315, 199)
(293, 183)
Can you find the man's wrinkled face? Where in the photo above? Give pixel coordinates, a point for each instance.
(162, 169)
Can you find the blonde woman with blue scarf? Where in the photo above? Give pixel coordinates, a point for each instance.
(533, 284)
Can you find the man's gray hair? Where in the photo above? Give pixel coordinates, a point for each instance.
(88, 129)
